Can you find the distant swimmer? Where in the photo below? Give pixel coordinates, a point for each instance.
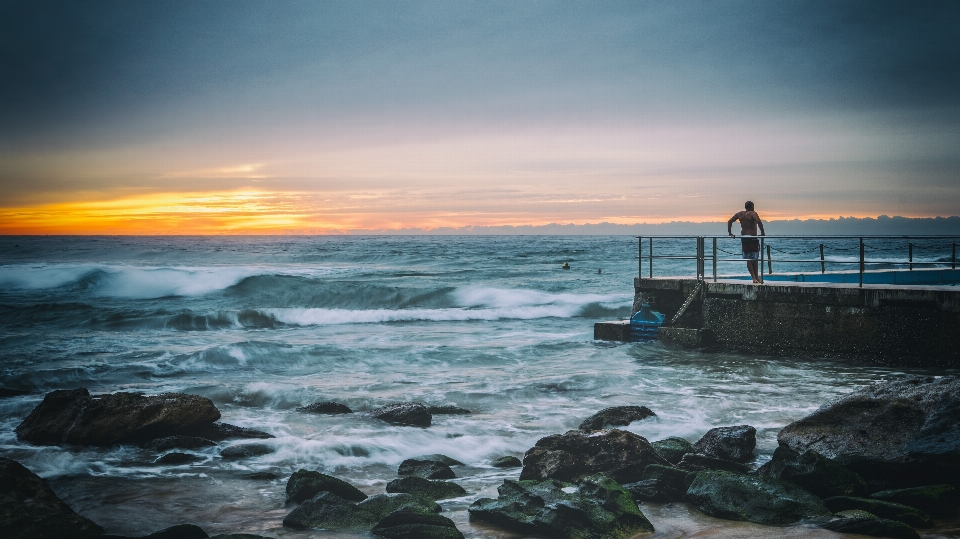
(565, 266)
(599, 271)
(750, 247)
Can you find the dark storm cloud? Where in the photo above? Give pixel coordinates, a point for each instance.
(72, 57)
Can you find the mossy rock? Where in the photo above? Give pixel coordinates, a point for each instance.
(305, 484)
(442, 459)
(673, 449)
(425, 488)
(814, 472)
(404, 524)
(756, 499)
(328, 511)
(937, 500)
(427, 469)
(507, 462)
(595, 507)
(890, 510)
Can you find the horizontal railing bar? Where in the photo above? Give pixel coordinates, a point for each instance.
(939, 237)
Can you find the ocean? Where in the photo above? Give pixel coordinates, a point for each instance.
(264, 325)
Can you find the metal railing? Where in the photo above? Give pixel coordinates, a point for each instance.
(701, 257)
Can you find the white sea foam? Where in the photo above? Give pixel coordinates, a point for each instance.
(140, 282)
(477, 303)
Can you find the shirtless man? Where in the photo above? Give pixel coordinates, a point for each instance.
(749, 221)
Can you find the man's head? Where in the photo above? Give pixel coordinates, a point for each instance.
(748, 205)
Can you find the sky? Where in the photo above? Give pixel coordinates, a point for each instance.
(211, 117)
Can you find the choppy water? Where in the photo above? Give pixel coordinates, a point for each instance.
(262, 325)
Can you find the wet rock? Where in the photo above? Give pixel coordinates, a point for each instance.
(74, 417)
(30, 510)
(507, 462)
(814, 472)
(616, 416)
(596, 507)
(305, 484)
(180, 531)
(245, 451)
(876, 527)
(411, 414)
(448, 410)
(238, 536)
(325, 407)
(694, 463)
(328, 511)
(728, 443)
(894, 434)
(219, 432)
(432, 490)
(442, 459)
(936, 500)
(568, 457)
(6, 392)
(673, 449)
(172, 459)
(427, 469)
(890, 510)
(762, 500)
(659, 484)
(178, 442)
(404, 524)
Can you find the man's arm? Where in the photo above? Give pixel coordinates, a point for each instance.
(760, 224)
(730, 223)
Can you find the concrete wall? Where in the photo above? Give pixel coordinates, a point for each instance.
(904, 326)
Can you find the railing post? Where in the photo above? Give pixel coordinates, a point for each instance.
(910, 247)
(639, 257)
(651, 256)
(715, 258)
(701, 260)
(761, 260)
(769, 261)
(953, 257)
(823, 267)
(861, 263)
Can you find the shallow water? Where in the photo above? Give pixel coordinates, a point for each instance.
(264, 325)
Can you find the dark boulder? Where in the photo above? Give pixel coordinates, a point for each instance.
(693, 462)
(425, 488)
(897, 434)
(411, 414)
(427, 469)
(180, 531)
(507, 462)
(74, 417)
(762, 500)
(175, 458)
(814, 472)
(442, 459)
(238, 536)
(331, 512)
(616, 416)
(325, 407)
(245, 451)
(893, 511)
(219, 432)
(596, 507)
(568, 457)
(30, 510)
(448, 410)
(305, 484)
(178, 442)
(673, 449)
(406, 524)
(6, 392)
(659, 484)
(876, 527)
(936, 500)
(728, 443)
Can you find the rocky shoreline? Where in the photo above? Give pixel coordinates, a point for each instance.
(881, 461)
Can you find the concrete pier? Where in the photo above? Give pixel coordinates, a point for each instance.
(898, 325)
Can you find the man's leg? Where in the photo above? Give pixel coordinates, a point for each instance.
(752, 268)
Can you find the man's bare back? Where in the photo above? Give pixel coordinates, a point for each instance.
(749, 220)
